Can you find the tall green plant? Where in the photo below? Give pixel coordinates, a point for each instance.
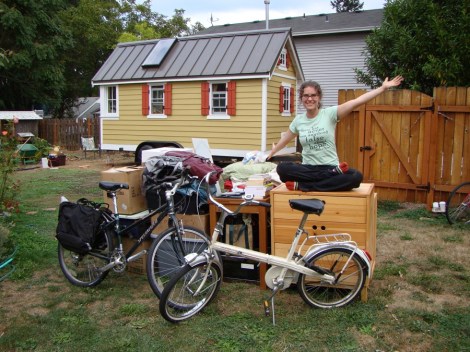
(8, 163)
(426, 41)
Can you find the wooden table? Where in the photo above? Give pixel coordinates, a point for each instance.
(232, 204)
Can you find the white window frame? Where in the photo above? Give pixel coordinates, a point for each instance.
(152, 88)
(106, 99)
(287, 97)
(221, 115)
(283, 60)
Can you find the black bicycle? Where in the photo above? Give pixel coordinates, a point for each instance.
(164, 257)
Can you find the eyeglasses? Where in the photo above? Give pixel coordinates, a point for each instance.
(306, 96)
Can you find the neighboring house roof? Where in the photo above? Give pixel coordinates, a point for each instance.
(21, 115)
(343, 22)
(245, 54)
(86, 107)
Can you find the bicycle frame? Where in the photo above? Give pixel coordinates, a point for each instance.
(165, 210)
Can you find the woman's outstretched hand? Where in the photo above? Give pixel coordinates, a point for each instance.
(396, 81)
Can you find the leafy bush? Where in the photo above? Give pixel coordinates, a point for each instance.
(6, 244)
(43, 146)
(8, 163)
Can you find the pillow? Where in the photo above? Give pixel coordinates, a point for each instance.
(242, 171)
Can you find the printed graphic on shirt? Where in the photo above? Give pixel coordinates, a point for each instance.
(316, 138)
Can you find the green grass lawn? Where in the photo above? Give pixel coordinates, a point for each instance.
(418, 299)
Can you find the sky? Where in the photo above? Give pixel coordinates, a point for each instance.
(237, 11)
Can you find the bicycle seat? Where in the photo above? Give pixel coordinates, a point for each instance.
(112, 186)
(309, 206)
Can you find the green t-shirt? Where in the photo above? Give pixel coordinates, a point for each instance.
(317, 136)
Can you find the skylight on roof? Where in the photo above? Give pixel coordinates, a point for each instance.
(158, 53)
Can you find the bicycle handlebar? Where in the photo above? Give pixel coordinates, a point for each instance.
(172, 183)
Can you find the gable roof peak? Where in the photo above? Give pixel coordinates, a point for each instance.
(239, 33)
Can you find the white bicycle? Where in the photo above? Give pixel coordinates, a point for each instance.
(331, 273)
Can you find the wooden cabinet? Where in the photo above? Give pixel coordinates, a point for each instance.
(353, 212)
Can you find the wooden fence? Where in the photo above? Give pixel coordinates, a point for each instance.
(414, 147)
(66, 133)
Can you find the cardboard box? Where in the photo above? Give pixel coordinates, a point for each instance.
(130, 201)
(138, 266)
(199, 221)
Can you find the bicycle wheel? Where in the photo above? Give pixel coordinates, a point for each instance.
(458, 205)
(318, 293)
(189, 291)
(166, 255)
(82, 269)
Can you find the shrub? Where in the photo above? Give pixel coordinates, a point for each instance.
(8, 164)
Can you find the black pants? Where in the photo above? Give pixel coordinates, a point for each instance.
(318, 177)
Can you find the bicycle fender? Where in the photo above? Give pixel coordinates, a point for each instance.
(343, 245)
(194, 259)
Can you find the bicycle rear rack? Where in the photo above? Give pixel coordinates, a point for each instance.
(321, 240)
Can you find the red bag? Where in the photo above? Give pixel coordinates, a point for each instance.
(198, 165)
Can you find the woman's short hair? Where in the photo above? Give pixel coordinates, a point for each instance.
(311, 84)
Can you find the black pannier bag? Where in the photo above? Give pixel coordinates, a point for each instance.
(78, 227)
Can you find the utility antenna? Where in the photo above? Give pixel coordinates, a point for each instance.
(213, 20)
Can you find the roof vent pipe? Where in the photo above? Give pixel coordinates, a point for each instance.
(266, 2)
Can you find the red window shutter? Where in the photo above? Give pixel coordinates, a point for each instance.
(232, 98)
(168, 99)
(292, 100)
(145, 99)
(204, 98)
(288, 60)
(281, 99)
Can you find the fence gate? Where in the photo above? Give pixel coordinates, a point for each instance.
(406, 143)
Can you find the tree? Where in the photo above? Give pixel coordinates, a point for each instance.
(51, 49)
(346, 5)
(32, 38)
(95, 27)
(158, 26)
(426, 41)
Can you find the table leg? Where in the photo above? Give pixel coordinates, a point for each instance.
(262, 244)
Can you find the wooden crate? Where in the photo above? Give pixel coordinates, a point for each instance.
(353, 212)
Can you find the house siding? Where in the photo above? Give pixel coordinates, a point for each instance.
(241, 132)
(330, 60)
(276, 122)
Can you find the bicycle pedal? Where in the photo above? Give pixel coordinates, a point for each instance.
(267, 311)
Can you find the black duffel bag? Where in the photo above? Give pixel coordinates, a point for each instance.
(78, 226)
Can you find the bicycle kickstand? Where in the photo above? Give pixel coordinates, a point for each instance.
(268, 310)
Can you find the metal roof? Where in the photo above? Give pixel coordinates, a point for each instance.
(343, 22)
(21, 115)
(249, 54)
(86, 106)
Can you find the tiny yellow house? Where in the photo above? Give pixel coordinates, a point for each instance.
(237, 90)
